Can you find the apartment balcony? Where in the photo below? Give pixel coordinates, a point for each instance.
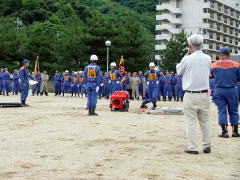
(170, 8)
(160, 47)
(170, 18)
(206, 15)
(161, 37)
(168, 27)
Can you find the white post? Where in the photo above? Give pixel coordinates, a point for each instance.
(107, 57)
(108, 44)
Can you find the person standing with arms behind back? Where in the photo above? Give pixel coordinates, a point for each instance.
(92, 78)
(226, 73)
(195, 68)
(44, 84)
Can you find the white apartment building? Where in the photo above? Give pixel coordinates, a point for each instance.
(217, 20)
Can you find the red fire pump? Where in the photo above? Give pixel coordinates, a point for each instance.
(120, 101)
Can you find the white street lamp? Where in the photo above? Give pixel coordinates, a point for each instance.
(108, 44)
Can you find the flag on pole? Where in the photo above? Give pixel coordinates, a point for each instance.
(36, 69)
(122, 69)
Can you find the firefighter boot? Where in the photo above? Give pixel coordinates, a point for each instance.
(154, 106)
(93, 113)
(235, 132)
(89, 111)
(224, 133)
(143, 105)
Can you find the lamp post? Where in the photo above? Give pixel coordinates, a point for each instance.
(108, 44)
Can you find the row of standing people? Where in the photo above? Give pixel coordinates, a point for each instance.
(169, 86)
(11, 82)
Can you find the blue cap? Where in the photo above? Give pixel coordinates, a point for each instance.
(225, 50)
(25, 61)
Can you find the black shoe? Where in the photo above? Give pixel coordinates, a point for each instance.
(158, 99)
(164, 99)
(207, 150)
(154, 106)
(143, 105)
(93, 113)
(235, 131)
(24, 104)
(46, 93)
(190, 151)
(89, 111)
(224, 133)
(41, 93)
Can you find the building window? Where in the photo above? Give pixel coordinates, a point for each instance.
(210, 35)
(219, 8)
(212, 15)
(204, 32)
(225, 30)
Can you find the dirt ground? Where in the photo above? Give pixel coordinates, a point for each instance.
(54, 139)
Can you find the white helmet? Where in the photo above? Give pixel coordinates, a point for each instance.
(113, 64)
(80, 72)
(66, 71)
(151, 64)
(75, 73)
(93, 58)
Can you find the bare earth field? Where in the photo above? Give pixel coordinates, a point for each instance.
(50, 140)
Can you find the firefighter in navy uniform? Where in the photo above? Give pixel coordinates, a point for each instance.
(226, 73)
(92, 79)
(24, 81)
(152, 78)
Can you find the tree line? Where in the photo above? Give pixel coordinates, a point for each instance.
(64, 33)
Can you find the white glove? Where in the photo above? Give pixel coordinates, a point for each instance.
(101, 84)
(71, 85)
(147, 83)
(97, 89)
(117, 82)
(157, 82)
(109, 81)
(77, 85)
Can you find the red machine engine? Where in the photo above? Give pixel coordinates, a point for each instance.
(120, 101)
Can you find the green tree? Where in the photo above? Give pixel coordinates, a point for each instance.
(174, 52)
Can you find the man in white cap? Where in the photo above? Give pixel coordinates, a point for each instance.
(115, 78)
(152, 78)
(92, 78)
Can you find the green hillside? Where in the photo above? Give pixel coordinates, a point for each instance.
(64, 33)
